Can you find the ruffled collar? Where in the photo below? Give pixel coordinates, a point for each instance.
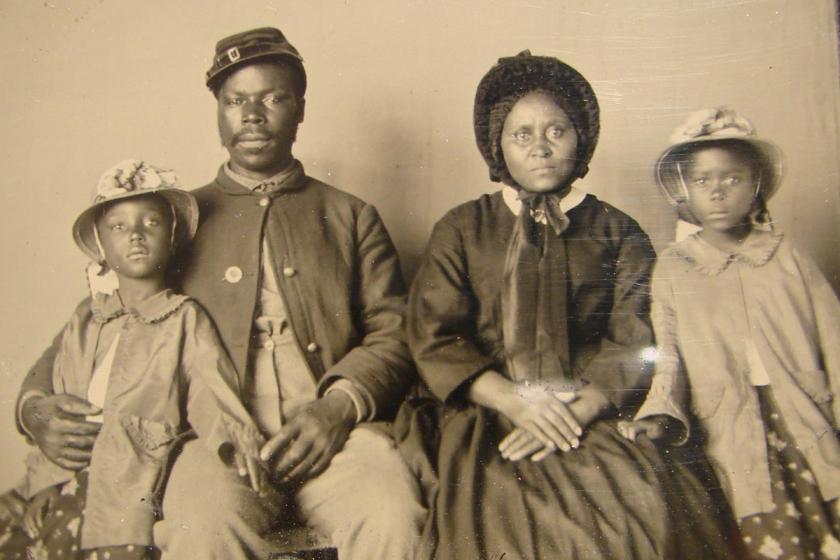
(151, 310)
(755, 251)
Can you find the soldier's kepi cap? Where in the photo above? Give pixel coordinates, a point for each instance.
(246, 47)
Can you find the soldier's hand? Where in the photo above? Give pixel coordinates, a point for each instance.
(306, 444)
(58, 426)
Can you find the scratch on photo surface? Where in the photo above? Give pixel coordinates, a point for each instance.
(5, 370)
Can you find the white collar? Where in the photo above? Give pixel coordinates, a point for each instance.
(574, 197)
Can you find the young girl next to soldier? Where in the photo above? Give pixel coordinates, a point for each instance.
(750, 329)
(150, 359)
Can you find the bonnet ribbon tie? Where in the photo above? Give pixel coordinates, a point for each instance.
(544, 208)
(535, 292)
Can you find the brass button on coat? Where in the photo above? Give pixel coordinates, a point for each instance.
(233, 274)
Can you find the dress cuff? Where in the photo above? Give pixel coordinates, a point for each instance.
(364, 410)
(21, 401)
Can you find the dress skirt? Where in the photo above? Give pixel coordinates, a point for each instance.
(802, 526)
(59, 537)
(610, 498)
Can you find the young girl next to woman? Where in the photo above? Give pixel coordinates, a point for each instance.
(528, 323)
(750, 329)
(151, 361)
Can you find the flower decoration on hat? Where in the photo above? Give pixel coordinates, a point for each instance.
(133, 175)
(131, 178)
(719, 122)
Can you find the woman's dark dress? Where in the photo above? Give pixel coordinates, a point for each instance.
(610, 498)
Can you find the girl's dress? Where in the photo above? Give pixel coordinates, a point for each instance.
(156, 371)
(754, 338)
(606, 499)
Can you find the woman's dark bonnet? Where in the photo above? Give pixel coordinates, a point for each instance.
(514, 77)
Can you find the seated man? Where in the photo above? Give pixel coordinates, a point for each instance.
(304, 286)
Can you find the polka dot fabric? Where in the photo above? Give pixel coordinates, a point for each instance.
(59, 538)
(803, 526)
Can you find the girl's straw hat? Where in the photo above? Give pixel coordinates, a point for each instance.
(717, 125)
(521, 74)
(132, 178)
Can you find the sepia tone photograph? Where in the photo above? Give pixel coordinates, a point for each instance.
(454, 280)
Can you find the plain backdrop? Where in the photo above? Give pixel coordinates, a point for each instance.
(88, 83)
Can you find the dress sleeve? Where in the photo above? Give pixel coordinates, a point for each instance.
(668, 393)
(441, 316)
(214, 408)
(827, 313)
(620, 368)
(379, 366)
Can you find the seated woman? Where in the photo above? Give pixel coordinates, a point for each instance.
(528, 322)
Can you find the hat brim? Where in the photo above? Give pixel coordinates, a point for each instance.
(182, 202)
(668, 173)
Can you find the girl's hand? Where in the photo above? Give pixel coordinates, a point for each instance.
(253, 469)
(36, 511)
(58, 425)
(654, 427)
(544, 414)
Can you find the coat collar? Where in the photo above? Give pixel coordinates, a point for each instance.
(755, 251)
(153, 309)
(287, 180)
